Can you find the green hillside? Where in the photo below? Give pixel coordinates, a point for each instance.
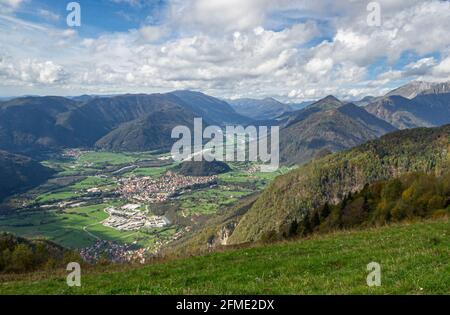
(331, 178)
(310, 134)
(414, 259)
(19, 173)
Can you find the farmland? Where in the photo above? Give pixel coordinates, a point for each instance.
(70, 208)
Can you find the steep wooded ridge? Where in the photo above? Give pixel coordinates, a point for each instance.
(326, 126)
(153, 132)
(332, 177)
(19, 173)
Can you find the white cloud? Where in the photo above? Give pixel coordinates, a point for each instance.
(30, 71)
(48, 15)
(219, 15)
(226, 47)
(443, 68)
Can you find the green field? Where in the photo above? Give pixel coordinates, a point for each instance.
(211, 200)
(81, 226)
(75, 227)
(414, 259)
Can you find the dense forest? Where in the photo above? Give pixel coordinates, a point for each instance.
(330, 179)
(20, 255)
(407, 198)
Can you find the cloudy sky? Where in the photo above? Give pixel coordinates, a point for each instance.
(293, 50)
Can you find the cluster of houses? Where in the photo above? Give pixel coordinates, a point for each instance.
(114, 252)
(157, 190)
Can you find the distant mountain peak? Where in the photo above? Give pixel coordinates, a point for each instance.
(327, 102)
(270, 99)
(331, 98)
(415, 88)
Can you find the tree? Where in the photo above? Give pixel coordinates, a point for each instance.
(21, 259)
(324, 212)
(315, 219)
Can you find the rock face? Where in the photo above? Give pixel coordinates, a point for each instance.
(222, 236)
(415, 88)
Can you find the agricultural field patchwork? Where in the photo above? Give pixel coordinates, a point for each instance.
(71, 208)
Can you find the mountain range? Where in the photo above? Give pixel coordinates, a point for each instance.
(34, 125)
(124, 122)
(327, 126)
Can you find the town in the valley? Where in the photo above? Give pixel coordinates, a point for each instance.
(124, 206)
(137, 216)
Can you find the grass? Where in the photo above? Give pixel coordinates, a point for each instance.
(414, 259)
(91, 182)
(149, 171)
(211, 200)
(71, 227)
(57, 196)
(105, 158)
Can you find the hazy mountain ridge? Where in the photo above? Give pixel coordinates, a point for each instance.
(19, 173)
(327, 126)
(415, 88)
(153, 132)
(33, 124)
(212, 109)
(424, 110)
(264, 109)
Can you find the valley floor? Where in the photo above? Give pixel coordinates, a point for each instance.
(414, 259)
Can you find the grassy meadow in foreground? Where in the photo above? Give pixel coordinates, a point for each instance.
(414, 259)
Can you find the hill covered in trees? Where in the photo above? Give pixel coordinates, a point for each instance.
(327, 126)
(409, 197)
(20, 255)
(330, 179)
(30, 125)
(202, 168)
(18, 173)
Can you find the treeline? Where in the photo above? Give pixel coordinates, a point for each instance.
(410, 197)
(20, 255)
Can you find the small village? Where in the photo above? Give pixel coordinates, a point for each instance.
(157, 190)
(113, 252)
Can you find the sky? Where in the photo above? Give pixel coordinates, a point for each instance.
(293, 50)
